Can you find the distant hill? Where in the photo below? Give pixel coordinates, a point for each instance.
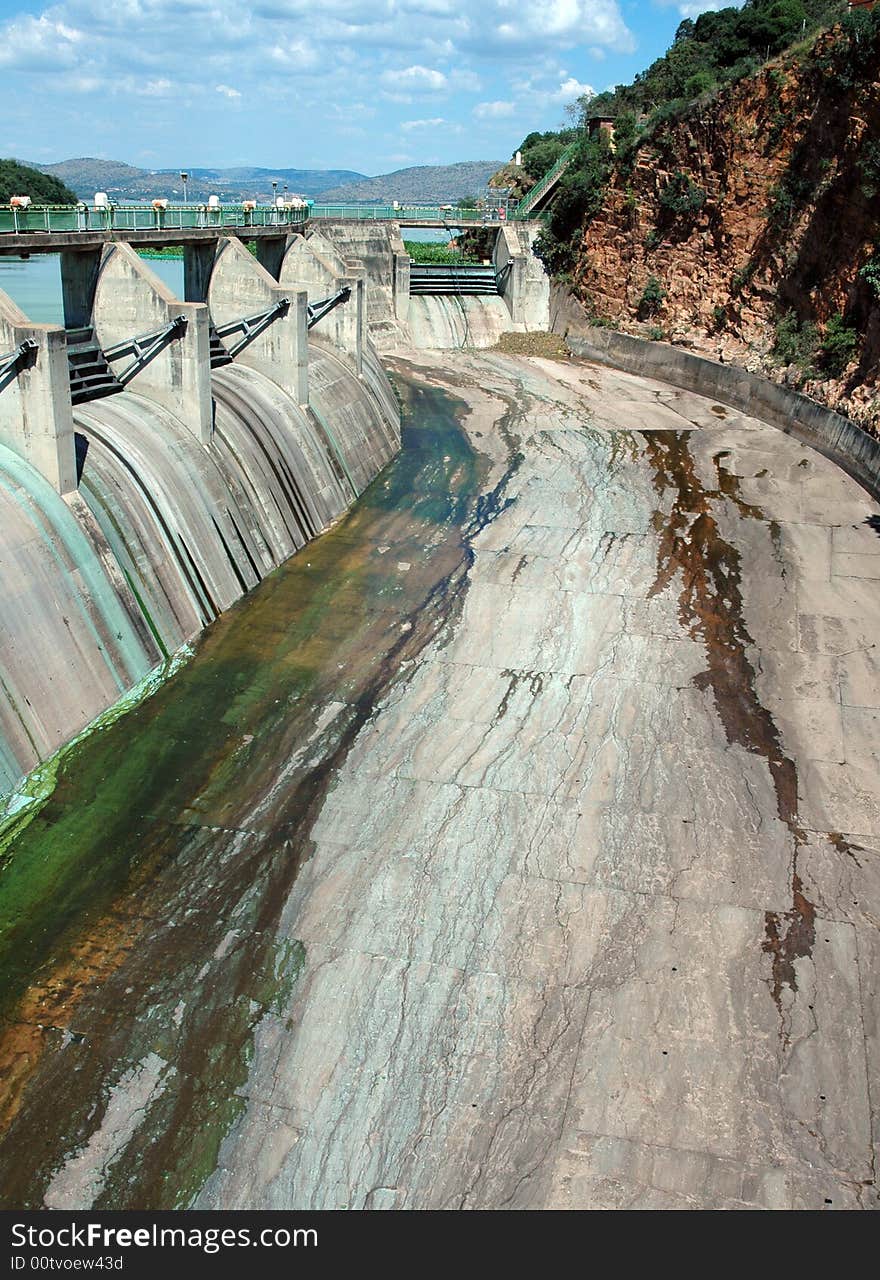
(126, 182)
(434, 183)
(17, 179)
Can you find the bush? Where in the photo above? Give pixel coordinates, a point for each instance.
(700, 82)
(652, 298)
(627, 136)
(741, 278)
(869, 168)
(794, 342)
(682, 198)
(839, 345)
(870, 273)
(579, 198)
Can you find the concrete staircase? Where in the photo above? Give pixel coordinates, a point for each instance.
(533, 201)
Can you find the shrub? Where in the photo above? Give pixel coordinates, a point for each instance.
(719, 317)
(794, 342)
(682, 198)
(652, 298)
(436, 253)
(869, 168)
(627, 136)
(700, 82)
(870, 273)
(839, 345)
(741, 278)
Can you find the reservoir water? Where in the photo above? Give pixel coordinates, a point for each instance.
(35, 283)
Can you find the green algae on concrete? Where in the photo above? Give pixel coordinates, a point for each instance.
(143, 912)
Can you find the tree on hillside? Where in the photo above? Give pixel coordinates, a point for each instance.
(20, 180)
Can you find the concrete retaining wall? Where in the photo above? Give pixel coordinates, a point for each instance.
(829, 433)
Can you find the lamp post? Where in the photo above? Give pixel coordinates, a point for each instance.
(274, 199)
(184, 178)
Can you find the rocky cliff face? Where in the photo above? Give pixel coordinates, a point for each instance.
(760, 205)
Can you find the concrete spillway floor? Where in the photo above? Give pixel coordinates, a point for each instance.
(516, 846)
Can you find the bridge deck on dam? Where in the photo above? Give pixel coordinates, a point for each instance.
(517, 845)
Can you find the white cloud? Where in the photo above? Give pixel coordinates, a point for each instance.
(570, 90)
(298, 56)
(693, 8)
(494, 110)
(437, 123)
(415, 79)
(43, 43)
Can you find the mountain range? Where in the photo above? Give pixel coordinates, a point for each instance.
(125, 182)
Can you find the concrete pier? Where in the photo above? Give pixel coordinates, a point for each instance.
(130, 300)
(36, 415)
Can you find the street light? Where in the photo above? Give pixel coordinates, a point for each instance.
(274, 199)
(184, 178)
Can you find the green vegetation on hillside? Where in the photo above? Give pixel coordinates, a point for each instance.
(715, 49)
(19, 180)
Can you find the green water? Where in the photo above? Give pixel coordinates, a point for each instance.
(184, 823)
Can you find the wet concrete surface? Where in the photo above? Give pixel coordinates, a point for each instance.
(515, 845)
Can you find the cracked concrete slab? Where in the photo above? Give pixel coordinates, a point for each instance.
(587, 911)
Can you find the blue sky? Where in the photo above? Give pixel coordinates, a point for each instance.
(371, 85)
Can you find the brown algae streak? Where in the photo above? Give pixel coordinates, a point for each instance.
(139, 912)
(711, 608)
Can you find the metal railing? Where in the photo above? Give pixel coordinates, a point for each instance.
(129, 217)
(550, 178)
(405, 213)
(184, 217)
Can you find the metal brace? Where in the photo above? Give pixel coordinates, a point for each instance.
(12, 360)
(251, 326)
(501, 276)
(143, 348)
(317, 310)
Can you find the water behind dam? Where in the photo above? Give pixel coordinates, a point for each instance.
(35, 283)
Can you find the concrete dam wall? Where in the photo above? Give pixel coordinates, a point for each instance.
(442, 322)
(130, 520)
